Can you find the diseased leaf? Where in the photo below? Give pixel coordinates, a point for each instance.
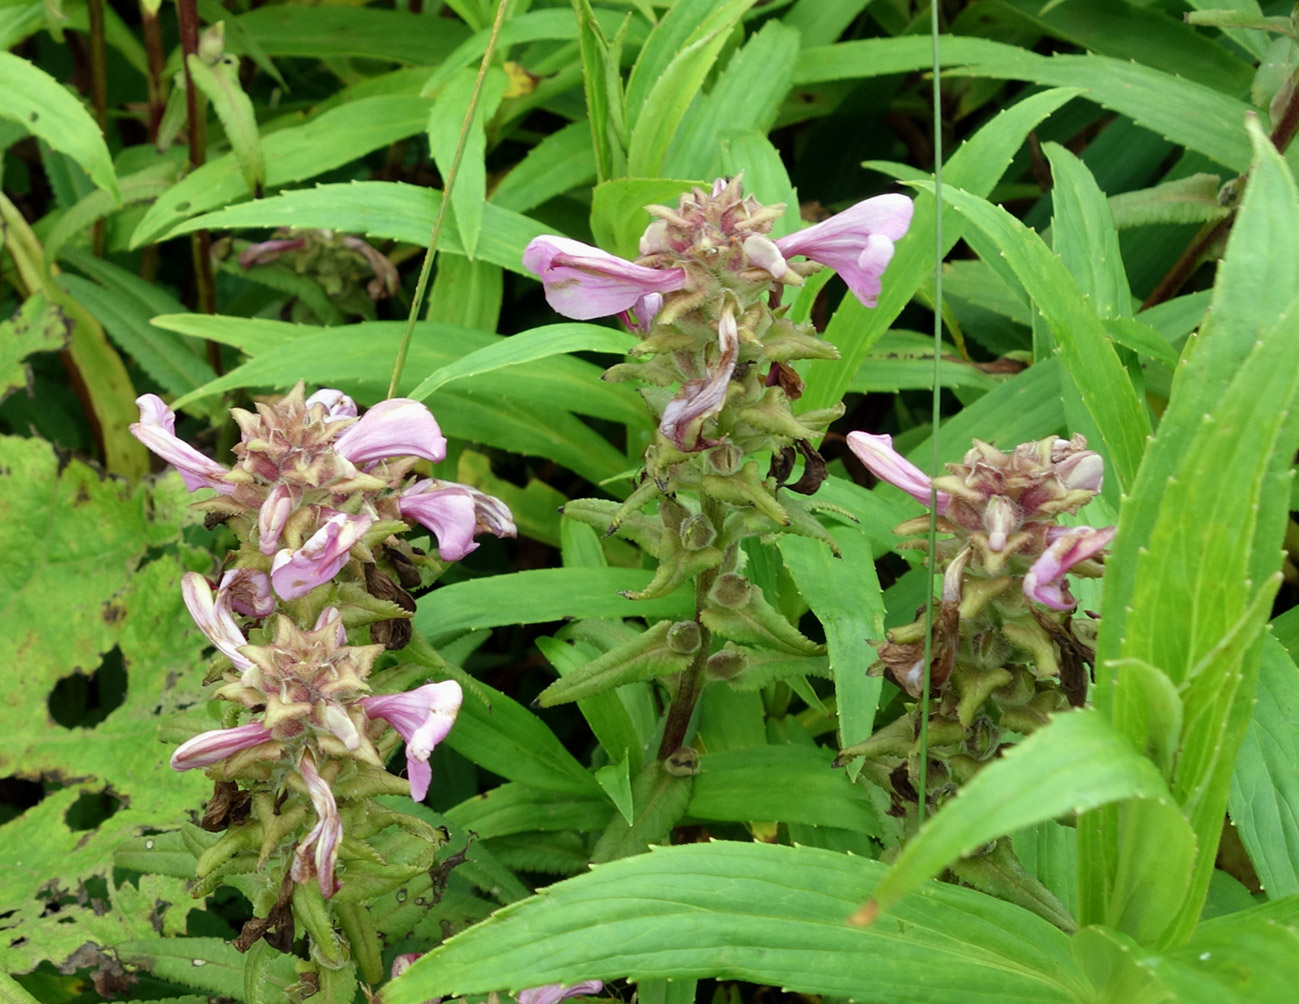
(36, 326)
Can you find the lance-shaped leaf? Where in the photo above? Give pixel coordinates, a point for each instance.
(763, 913)
(659, 800)
(220, 83)
(746, 617)
(650, 654)
(1077, 762)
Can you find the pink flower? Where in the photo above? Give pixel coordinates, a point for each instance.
(553, 993)
(266, 252)
(335, 402)
(271, 517)
(455, 513)
(423, 716)
(640, 318)
(212, 615)
(246, 591)
(1045, 582)
(398, 427)
(324, 837)
(857, 243)
(698, 400)
(877, 453)
(296, 573)
(583, 282)
(762, 252)
(212, 747)
(1083, 471)
(157, 430)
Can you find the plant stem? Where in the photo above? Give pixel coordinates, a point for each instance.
(201, 242)
(448, 183)
(152, 30)
(98, 96)
(692, 680)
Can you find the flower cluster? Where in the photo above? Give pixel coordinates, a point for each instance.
(313, 480)
(315, 496)
(701, 294)
(1006, 652)
(340, 262)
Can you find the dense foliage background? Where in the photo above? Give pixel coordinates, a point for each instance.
(1119, 226)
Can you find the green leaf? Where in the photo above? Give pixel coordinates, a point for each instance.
(512, 808)
(511, 741)
(1193, 199)
(557, 164)
(165, 356)
(209, 964)
(446, 119)
(376, 209)
(761, 913)
(526, 347)
(645, 656)
(975, 167)
(221, 85)
(787, 784)
(1100, 378)
(324, 32)
(1184, 111)
(672, 85)
(745, 98)
(466, 293)
(844, 593)
(605, 103)
(323, 142)
(142, 186)
(1075, 763)
(1140, 337)
(1264, 800)
(659, 800)
(1206, 542)
(615, 779)
(41, 105)
(542, 595)
(36, 326)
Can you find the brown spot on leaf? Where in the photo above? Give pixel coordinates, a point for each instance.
(113, 613)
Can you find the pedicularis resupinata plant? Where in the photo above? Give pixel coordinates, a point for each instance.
(659, 502)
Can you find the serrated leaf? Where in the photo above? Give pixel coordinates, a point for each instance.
(976, 166)
(220, 83)
(326, 31)
(1193, 199)
(659, 800)
(1075, 763)
(40, 104)
(323, 142)
(785, 783)
(1264, 800)
(646, 656)
(514, 808)
(761, 913)
(446, 120)
(36, 326)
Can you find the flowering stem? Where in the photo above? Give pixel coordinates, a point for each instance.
(447, 184)
(691, 684)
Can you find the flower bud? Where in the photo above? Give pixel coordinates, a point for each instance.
(697, 532)
(683, 637)
(726, 664)
(724, 459)
(731, 590)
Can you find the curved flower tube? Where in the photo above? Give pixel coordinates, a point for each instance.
(1045, 583)
(398, 427)
(583, 282)
(211, 612)
(296, 573)
(212, 747)
(324, 837)
(271, 517)
(157, 431)
(857, 243)
(246, 591)
(698, 400)
(423, 716)
(877, 453)
(455, 513)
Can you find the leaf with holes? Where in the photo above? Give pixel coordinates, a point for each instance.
(85, 619)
